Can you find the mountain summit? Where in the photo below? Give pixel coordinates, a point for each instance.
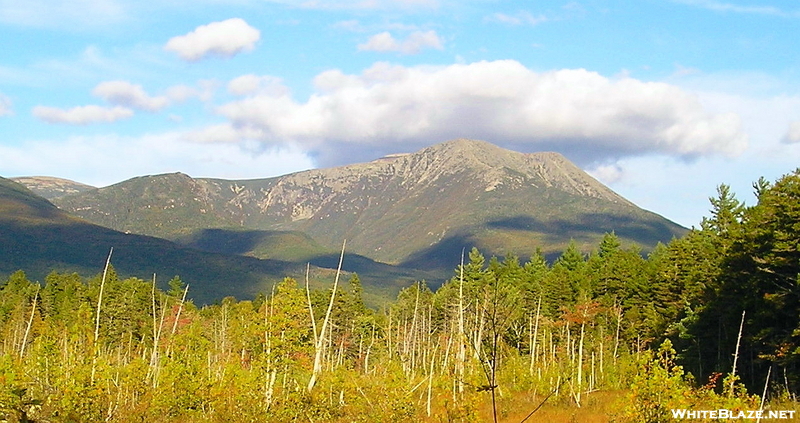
(419, 209)
(498, 166)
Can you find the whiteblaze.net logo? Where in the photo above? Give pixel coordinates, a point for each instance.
(721, 414)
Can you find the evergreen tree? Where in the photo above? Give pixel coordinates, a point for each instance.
(763, 275)
(566, 281)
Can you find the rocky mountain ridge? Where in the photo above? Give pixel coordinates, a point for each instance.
(396, 209)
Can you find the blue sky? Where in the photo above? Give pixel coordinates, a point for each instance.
(662, 100)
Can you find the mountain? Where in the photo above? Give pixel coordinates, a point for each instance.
(38, 238)
(418, 210)
(50, 188)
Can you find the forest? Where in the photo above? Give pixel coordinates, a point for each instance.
(710, 320)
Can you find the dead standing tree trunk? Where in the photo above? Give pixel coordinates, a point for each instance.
(462, 337)
(30, 323)
(319, 348)
(97, 315)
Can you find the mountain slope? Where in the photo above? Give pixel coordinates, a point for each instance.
(38, 238)
(417, 209)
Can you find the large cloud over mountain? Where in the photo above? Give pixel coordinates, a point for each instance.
(390, 108)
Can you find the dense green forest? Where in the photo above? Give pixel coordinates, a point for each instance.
(711, 320)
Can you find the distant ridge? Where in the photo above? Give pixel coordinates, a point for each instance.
(50, 187)
(418, 209)
(38, 238)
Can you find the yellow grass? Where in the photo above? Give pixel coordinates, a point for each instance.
(596, 407)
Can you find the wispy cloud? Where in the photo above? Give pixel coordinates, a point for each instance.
(413, 44)
(519, 18)
(719, 6)
(5, 106)
(123, 93)
(255, 84)
(226, 38)
(90, 65)
(64, 14)
(682, 71)
(792, 135)
(81, 115)
(364, 4)
(354, 25)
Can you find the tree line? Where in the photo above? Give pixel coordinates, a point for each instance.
(709, 318)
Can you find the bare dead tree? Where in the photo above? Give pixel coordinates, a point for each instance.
(319, 347)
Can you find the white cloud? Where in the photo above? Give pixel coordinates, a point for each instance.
(226, 38)
(148, 154)
(793, 134)
(519, 18)
(81, 115)
(592, 117)
(5, 106)
(254, 84)
(123, 93)
(413, 44)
